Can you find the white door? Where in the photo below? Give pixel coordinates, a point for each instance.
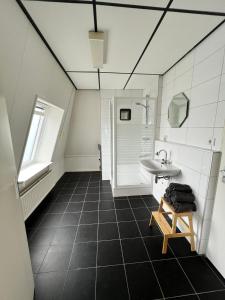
(16, 279)
(216, 244)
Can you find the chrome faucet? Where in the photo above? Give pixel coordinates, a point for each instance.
(164, 160)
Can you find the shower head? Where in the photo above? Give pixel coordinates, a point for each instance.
(145, 106)
(139, 103)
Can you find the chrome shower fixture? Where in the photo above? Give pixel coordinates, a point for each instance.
(146, 107)
(139, 103)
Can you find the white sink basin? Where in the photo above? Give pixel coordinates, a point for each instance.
(155, 166)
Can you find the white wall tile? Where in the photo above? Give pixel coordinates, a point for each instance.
(177, 135)
(203, 186)
(183, 82)
(191, 148)
(220, 114)
(191, 157)
(200, 204)
(210, 45)
(202, 116)
(222, 89)
(205, 93)
(200, 137)
(223, 70)
(185, 64)
(206, 162)
(217, 139)
(208, 68)
(169, 77)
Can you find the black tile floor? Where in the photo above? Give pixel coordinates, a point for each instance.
(85, 244)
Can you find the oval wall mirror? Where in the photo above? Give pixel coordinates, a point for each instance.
(178, 110)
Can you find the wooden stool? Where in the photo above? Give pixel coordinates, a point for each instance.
(167, 230)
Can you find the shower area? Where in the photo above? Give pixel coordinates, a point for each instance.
(132, 137)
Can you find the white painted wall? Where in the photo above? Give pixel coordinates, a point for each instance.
(201, 76)
(15, 266)
(27, 70)
(84, 134)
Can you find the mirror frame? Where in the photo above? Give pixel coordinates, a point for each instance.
(187, 109)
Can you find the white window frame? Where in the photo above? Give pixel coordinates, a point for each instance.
(36, 162)
(38, 110)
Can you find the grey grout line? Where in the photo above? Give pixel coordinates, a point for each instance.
(73, 248)
(96, 259)
(44, 215)
(223, 283)
(147, 252)
(98, 241)
(121, 248)
(49, 244)
(83, 224)
(184, 271)
(211, 292)
(180, 296)
(53, 236)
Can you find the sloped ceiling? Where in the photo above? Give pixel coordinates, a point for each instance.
(144, 37)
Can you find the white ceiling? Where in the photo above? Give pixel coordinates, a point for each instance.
(177, 34)
(128, 30)
(65, 26)
(85, 81)
(116, 80)
(206, 5)
(158, 3)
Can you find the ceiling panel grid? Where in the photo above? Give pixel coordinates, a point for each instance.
(65, 27)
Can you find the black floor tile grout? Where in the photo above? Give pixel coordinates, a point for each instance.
(72, 251)
(51, 241)
(180, 296)
(127, 263)
(183, 271)
(71, 182)
(211, 292)
(218, 277)
(121, 249)
(148, 253)
(37, 228)
(96, 259)
(86, 224)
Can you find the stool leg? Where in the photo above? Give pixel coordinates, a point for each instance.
(160, 205)
(165, 244)
(174, 224)
(192, 233)
(150, 222)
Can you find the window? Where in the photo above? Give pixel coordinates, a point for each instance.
(40, 144)
(34, 135)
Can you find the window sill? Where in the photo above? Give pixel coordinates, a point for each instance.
(30, 174)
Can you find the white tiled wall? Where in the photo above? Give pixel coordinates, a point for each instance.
(199, 169)
(201, 76)
(134, 138)
(106, 138)
(106, 97)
